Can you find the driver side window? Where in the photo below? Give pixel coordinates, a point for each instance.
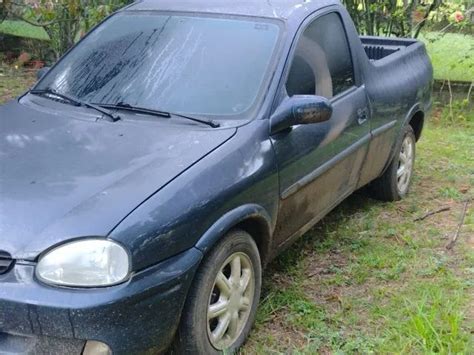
(322, 63)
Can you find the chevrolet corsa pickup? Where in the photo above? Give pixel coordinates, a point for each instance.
(150, 175)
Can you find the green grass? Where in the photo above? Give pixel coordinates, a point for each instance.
(14, 82)
(452, 55)
(23, 29)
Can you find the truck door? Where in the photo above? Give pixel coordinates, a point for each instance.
(320, 163)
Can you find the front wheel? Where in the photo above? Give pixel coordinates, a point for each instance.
(394, 184)
(223, 299)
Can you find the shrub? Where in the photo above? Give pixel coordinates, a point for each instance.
(406, 18)
(65, 21)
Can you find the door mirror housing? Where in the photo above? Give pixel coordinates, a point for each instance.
(300, 109)
(42, 72)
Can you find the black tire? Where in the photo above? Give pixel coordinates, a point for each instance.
(193, 335)
(387, 187)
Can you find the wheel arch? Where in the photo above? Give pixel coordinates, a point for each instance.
(415, 118)
(417, 121)
(252, 219)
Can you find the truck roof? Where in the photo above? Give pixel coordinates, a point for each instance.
(280, 9)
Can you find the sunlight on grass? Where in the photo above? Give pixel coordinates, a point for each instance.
(451, 55)
(427, 317)
(23, 29)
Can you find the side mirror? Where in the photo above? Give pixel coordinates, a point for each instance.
(300, 109)
(42, 72)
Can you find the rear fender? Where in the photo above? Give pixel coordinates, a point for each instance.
(415, 108)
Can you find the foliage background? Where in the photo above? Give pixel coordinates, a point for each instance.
(65, 21)
(406, 18)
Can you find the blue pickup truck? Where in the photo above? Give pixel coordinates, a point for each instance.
(152, 173)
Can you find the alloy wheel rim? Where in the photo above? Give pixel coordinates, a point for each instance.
(405, 165)
(230, 301)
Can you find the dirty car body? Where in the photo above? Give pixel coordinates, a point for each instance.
(166, 189)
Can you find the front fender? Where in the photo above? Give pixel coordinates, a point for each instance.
(238, 180)
(248, 212)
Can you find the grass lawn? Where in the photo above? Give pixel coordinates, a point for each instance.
(369, 278)
(452, 55)
(23, 29)
(14, 82)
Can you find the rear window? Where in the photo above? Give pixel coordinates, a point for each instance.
(322, 64)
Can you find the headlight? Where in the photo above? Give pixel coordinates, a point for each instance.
(85, 263)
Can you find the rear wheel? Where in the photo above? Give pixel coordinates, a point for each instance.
(394, 184)
(223, 299)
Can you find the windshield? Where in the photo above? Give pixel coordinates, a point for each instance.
(176, 63)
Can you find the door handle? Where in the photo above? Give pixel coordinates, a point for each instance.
(362, 115)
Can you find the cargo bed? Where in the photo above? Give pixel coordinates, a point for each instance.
(380, 47)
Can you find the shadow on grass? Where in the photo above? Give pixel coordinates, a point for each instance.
(321, 234)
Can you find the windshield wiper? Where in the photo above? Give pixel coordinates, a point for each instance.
(147, 111)
(76, 102)
(128, 107)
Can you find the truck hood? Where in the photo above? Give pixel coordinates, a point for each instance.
(64, 177)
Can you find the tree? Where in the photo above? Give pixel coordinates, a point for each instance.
(65, 21)
(391, 17)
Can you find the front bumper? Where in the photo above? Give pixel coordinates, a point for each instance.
(138, 316)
